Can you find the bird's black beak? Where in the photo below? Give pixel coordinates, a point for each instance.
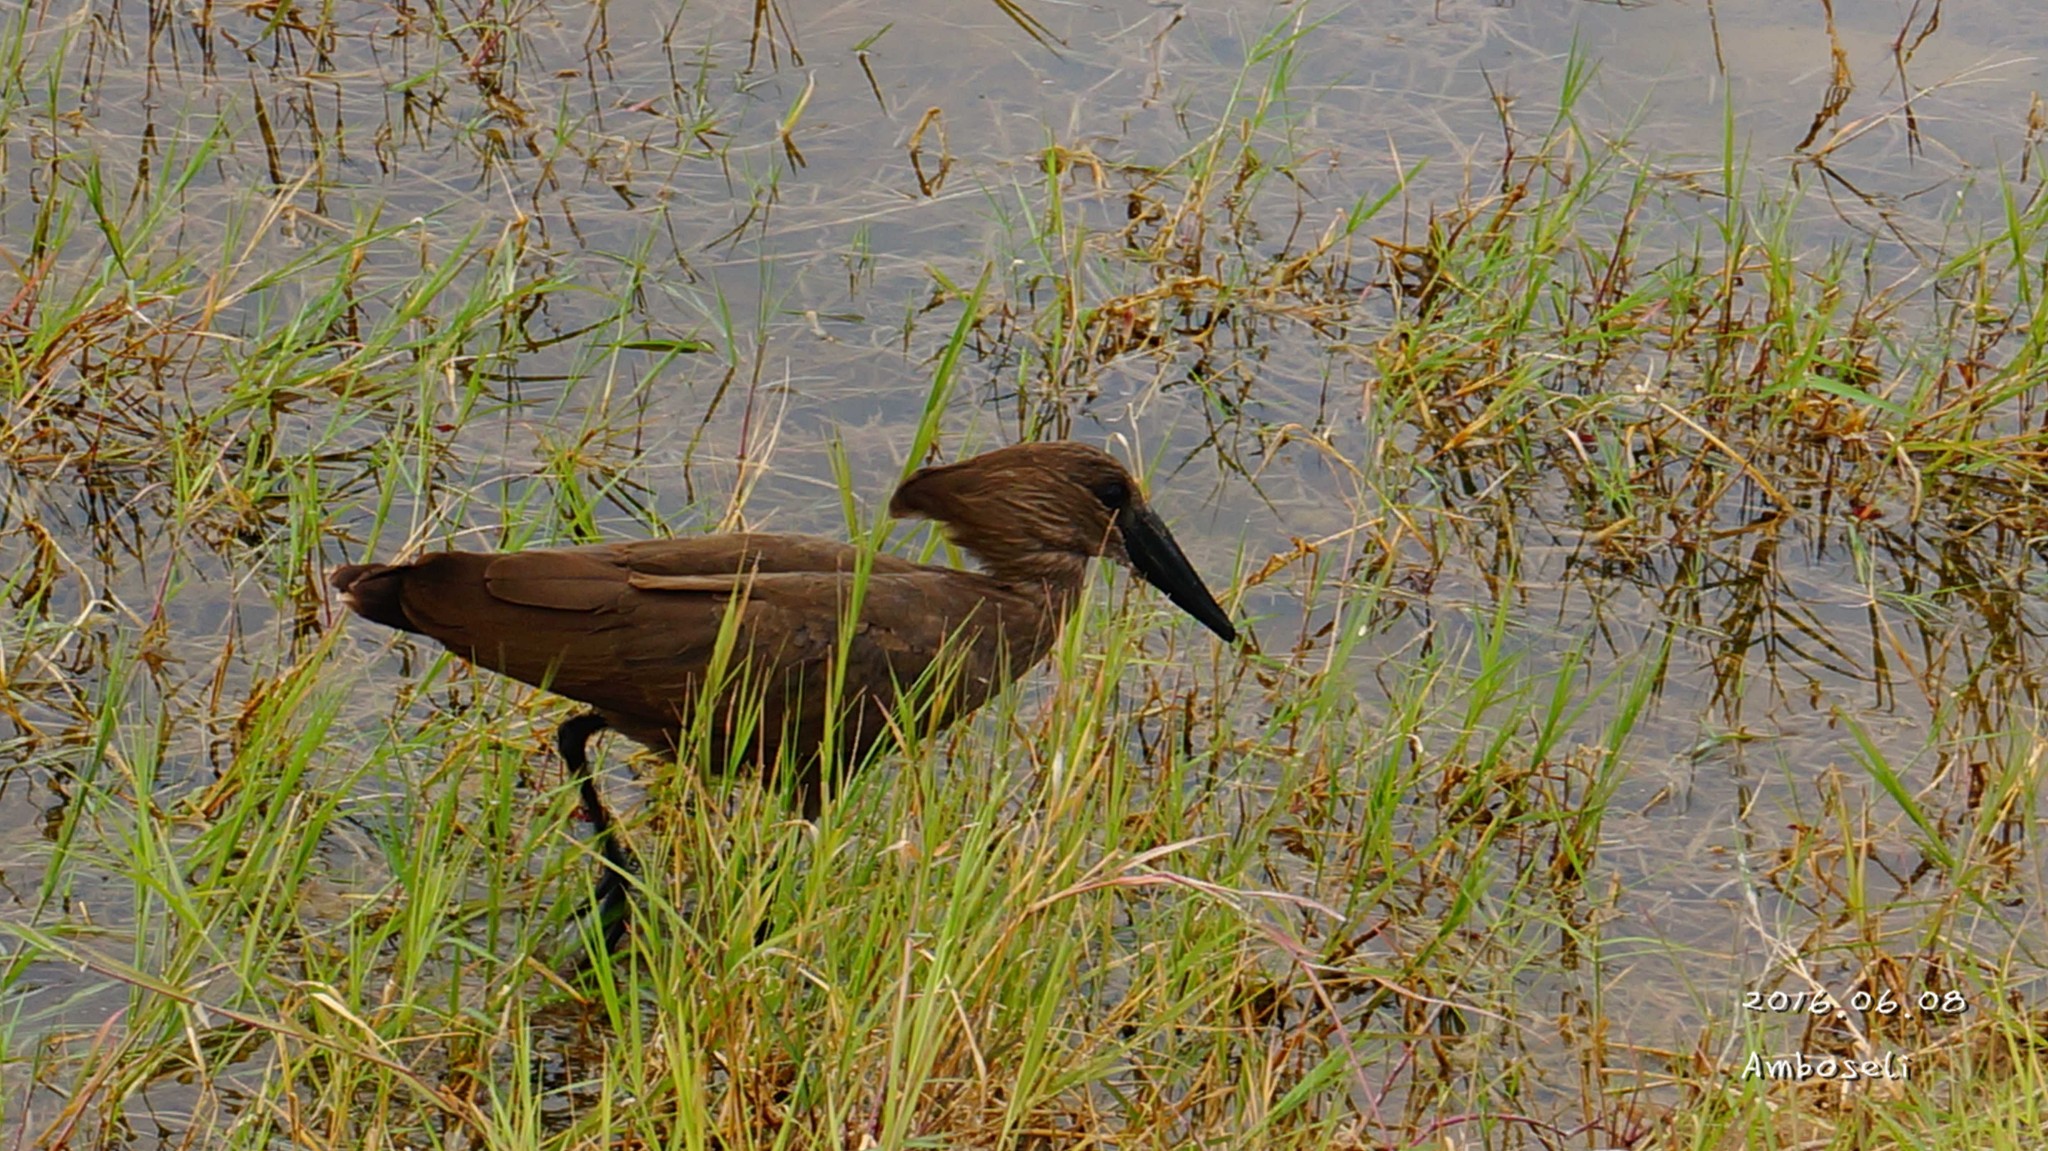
(1155, 556)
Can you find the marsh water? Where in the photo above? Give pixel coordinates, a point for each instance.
(715, 249)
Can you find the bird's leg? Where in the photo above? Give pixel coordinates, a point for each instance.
(611, 896)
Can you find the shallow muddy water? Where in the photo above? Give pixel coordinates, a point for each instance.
(396, 277)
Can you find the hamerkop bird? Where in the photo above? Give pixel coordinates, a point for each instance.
(633, 629)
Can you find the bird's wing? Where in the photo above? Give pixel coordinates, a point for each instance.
(786, 629)
(590, 578)
(733, 552)
(632, 628)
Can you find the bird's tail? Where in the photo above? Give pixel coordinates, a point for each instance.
(372, 591)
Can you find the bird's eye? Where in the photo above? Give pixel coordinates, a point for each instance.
(1114, 493)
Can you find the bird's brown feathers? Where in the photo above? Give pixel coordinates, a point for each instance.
(634, 629)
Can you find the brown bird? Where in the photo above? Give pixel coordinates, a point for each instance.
(634, 629)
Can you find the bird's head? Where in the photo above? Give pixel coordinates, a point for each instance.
(1032, 509)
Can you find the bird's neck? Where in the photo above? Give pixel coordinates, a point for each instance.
(1051, 584)
(1054, 577)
